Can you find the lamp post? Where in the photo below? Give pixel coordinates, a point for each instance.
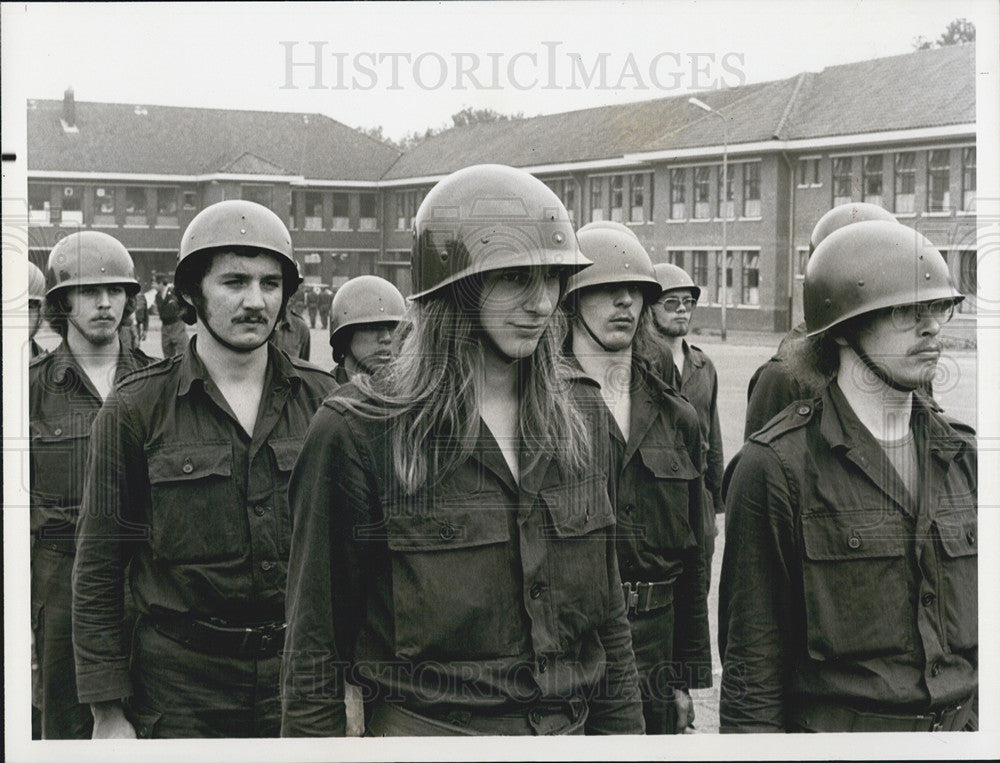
(723, 292)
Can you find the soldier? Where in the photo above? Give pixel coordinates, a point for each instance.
(849, 582)
(776, 384)
(366, 310)
(141, 315)
(453, 546)
(659, 502)
(187, 495)
(325, 300)
(291, 334)
(312, 304)
(688, 370)
(91, 283)
(36, 296)
(173, 335)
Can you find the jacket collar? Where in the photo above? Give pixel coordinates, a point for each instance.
(280, 371)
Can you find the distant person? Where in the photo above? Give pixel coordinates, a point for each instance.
(291, 334)
(366, 311)
(173, 334)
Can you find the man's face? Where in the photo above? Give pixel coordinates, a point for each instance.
(672, 312)
(611, 312)
(371, 345)
(240, 299)
(904, 341)
(95, 312)
(515, 306)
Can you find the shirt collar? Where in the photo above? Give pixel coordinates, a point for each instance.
(280, 369)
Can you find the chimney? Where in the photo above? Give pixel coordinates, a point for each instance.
(69, 108)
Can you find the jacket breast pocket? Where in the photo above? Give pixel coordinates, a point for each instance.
(454, 585)
(58, 460)
(855, 583)
(578, 537)
(195, 514)
(665, 499)
(959, 537)
(286, 452)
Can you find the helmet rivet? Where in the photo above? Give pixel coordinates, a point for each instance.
(861, 283)
(243, 231)
(827, 302)
(484, 240)
(558, 238)
(927, 276)
(626, 266)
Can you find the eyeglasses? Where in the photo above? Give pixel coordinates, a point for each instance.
(672, 303)
(906, 317)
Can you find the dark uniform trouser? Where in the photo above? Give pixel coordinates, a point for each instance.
(183, 693)
(63, 717)
(653, 644)
(173, 338)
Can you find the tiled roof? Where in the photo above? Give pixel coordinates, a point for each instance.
(192, 141)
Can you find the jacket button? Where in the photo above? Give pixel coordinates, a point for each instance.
(971, 537)
(854, 542)
(936, 669)
(535, 591)
(674, 465)
(543, 663)
(259, 510)
(447, 532)
(57, 432)
(187, 468)
(535, 717)
(803, 410)
(629, 508)
(927, 599)
(266, 565)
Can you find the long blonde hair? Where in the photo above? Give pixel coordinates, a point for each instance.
(430, 398)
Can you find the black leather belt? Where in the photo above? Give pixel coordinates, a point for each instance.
(648, 597)
(833, 717)
(258, 640)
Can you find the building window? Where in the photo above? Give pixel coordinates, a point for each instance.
(718, 278)
(190, 200)
(341, 214)
(750, 279)
(967, 279)
(678, 191)
(905, 183)
(312, 264)
(166, 207)
(969, 179)
(699, 269)
(260, 194)
(725, 208)
(751, 190)
(807, 172)
(872, 181)
(676, 257)
(841, 180)
(104, 206)
(702, 192)
(596, 199)
(135, 206)
(367, 219)
(407, 204)
(39, 204)
(566, 191)
(637, 198)
(938, 180)
(801, 258)
(617, 199)
(313, 215)
(72, 205)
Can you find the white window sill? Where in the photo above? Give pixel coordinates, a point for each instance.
(137, 227)
(175, 226)
(964, 213)
(937, 214)
(701, 220)
(907, 215)
(678, 220)
(750, 219)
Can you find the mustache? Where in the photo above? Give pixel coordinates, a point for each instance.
(251, 318)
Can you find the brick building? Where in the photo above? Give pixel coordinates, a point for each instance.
(898, 131)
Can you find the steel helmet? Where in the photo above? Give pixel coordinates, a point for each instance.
(238, 223)
(869, 266)
(90, 258)
(618, 257)
(608, 225)
(846, 214)
(364, 300)
(671, 277)
(36, 282)
(489, 217)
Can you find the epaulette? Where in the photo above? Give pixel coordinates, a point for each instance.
(305, 365)
(157, 368)
(960, 426)
(39, 359)
(795, 416)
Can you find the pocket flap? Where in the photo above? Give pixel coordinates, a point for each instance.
(959, 534)
(579, 508)
(60, 429)
(449, 526)
(286, 451)
(177, 463)
(852, 535)
(668, 463)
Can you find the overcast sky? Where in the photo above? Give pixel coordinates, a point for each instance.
(407, 67)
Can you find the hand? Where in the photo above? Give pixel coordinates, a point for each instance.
(110, 721)
(685, 710)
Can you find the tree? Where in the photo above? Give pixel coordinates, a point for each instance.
(463, 118)
(958, 32)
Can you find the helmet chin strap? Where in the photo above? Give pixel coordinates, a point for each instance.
(875, 368)
(593, 336)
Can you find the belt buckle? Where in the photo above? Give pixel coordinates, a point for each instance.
(631, 597)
